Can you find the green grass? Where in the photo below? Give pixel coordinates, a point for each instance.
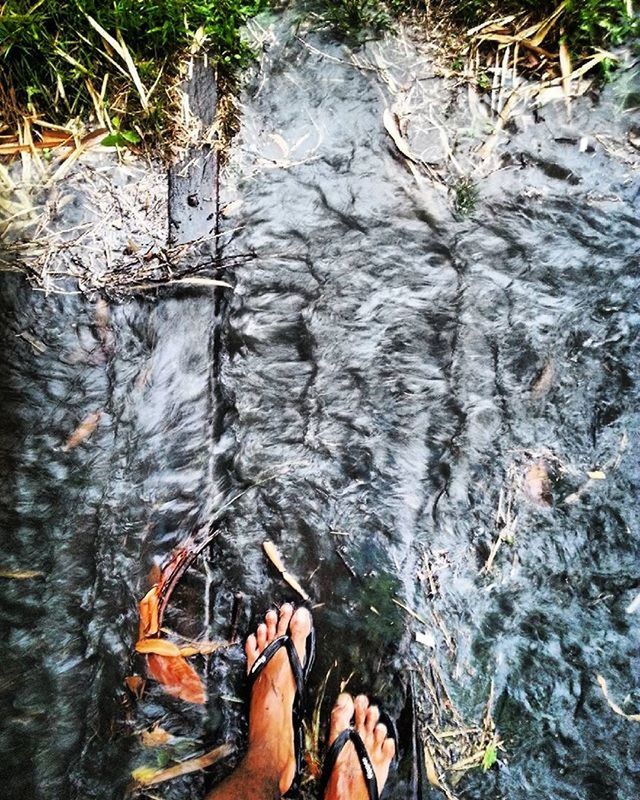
(54, 62)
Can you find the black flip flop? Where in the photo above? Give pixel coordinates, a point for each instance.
(352, 735)
(300, 676)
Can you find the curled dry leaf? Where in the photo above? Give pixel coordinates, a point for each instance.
(83, 431)
(135, 684)
(177, 677)
(612, 704)
(537, 485)
(201, 648)
(149, 614)
(274, 557)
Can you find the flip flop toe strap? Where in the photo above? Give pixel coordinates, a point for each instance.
(294, 660)
(363, 757)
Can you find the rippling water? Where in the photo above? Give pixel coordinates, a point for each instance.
(382, 374)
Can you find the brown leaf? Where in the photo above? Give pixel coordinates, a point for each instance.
(537, 485)
(148, 776)
(543, 380)
(177, 676)
(83, 431)
(160, 647)
(135, 684)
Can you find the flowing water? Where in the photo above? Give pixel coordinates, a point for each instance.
(372, 392)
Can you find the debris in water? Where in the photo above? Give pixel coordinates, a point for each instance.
(426, 638)
(149, 776)
(612, 704)
(135, 684)
(149, 613)
(273, 556)
(177, 676)
(156, 737)
(201, 648)
(21, 574)
(83, 431)
(160, 647)
(634, 605)
(543, 380)
(537, 485)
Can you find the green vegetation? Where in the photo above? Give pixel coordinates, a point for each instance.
(65, 59)
(116, 62)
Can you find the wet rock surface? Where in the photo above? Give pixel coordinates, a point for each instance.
(371, 397)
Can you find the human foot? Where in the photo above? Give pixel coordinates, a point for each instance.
(271, 735)
(347, 781)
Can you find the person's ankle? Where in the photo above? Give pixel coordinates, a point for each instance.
(259, 765)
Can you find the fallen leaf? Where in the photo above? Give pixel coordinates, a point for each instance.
(537, 485)
(177, 676)
(392, 127)
(161, 647)
(543, 380)
(273, 556)
(83, 431)
(425, 638)
(148, 776)
(156, 737)
(596, 475)
(201, 648)
(21, 574)
(135, 684)
(612, 704)
(149, 615)
(430, 764)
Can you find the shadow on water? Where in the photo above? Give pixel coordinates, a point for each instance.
(379, 371)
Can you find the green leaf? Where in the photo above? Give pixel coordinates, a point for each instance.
(120, 139)
(490, 757)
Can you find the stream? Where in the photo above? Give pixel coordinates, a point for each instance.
(370, 397)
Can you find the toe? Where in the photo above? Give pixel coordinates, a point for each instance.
(251, 650)
(271, 619)
(341, 715)
(300, 627)
(379, 734)
(286, 612)
(371, 718)
(261, 636)
(361, 706)
(389, 749)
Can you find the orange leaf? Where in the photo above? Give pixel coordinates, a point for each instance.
(135, 684)
(156, 737)
(177, 676)
(149, 623)
(160, 647)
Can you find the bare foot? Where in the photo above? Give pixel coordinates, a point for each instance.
(271, 749)
(347, 781)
